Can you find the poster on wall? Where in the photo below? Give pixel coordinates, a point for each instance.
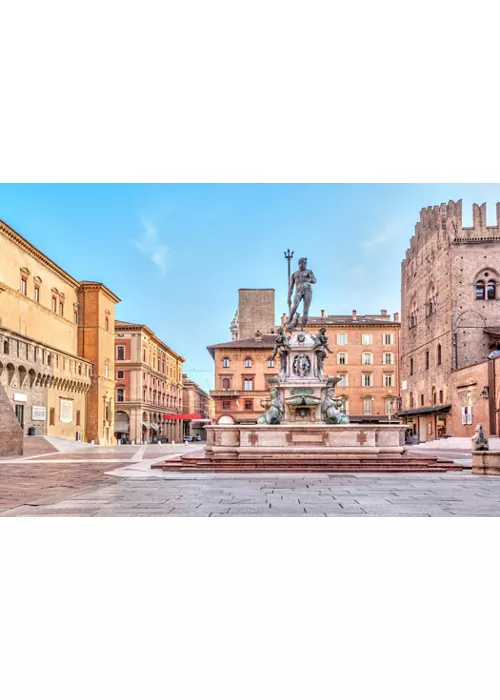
(66, 411)
(38, 413)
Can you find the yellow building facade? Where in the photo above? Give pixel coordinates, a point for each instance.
(53, 384)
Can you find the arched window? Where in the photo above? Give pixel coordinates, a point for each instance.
(248, 362)
(367, 358)
(225, 362)
(270, 363)
(434, 396)
(411, 366)
(480, 294)
(427, 359)
(491, 289)
(438, 354)
(5, 347)
(411, 400)
(226, 384)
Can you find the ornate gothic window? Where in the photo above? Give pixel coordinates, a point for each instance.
(248, 362)
(491, 289)
(480, 292)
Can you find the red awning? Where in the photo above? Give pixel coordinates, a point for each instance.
(181, 416)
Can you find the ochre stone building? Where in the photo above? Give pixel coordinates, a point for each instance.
(148, 385)
(53, 330)
(365, 351)
(450, 324)
(196, 402)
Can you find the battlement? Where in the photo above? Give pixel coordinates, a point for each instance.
(444, 222)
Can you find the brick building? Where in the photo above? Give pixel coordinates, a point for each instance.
(197, 404)
(450, 323)
(365, 354)
(50, 350)
(148, 385)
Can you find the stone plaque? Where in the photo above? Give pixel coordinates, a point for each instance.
(20, 397)
(38, 413)
(66, 411)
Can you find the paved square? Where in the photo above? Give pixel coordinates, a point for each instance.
(119, 481)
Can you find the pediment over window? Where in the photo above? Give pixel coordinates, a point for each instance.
(25, 271)
(37, 280)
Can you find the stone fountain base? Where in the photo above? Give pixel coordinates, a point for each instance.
(307, 440)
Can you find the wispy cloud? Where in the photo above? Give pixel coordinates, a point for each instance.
(378, 239)
(150, 244)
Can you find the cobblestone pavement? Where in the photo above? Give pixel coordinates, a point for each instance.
(322, 495)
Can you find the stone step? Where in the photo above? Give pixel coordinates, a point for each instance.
(340, 465)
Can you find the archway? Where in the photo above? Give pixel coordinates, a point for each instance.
(122, 425)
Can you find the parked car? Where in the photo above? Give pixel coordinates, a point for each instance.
(188, 438)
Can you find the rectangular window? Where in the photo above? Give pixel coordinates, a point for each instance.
(388, 406)
(342, 358)
(270, 363)
(388, 339)
(37, 294)
(119, 374)
(466, 415)
(226, 405)
(54, 304)
(75, 316)
(367, 407)
(388, 358)
(367, 358)
(120, 395)
(341, 339)
(78, 418)
(440, 396)
(120, 352)
(367, 380)
(24, 286)
(422, 400)
(248, 385)
(61, 309)
(343, 381)
(366, 339)
(248, 405)
(388, 380)
(52, 416)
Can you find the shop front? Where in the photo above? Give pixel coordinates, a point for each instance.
(425, 423)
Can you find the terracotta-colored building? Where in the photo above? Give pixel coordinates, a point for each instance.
(53, 344)
(450, 324)
(148, 386)
(198, 405)
(365, 351)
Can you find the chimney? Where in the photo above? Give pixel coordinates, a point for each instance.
(354, 314)
(383, 312)
(322, 313)
(396, 317)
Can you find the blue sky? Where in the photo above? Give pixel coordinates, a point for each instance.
(177, 254)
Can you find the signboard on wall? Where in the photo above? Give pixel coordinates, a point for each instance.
(20, 397)
(66, 411)
(38, 413)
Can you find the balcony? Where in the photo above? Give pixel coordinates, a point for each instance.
(224, 393)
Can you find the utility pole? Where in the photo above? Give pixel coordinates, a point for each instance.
(289, 255)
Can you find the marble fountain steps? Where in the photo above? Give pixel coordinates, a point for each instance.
(405, 463)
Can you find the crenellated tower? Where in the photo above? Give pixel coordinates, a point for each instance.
(450, 297)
